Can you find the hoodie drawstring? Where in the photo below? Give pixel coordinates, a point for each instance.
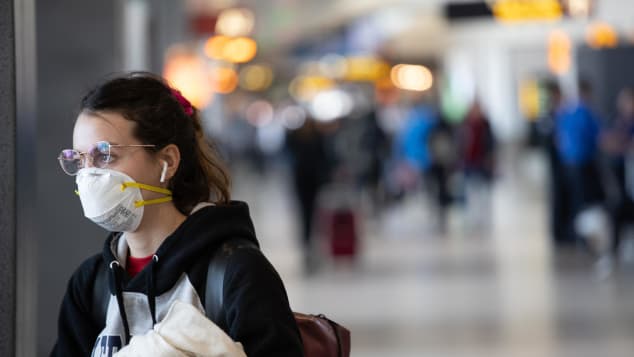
(151, 288)
(116, 285)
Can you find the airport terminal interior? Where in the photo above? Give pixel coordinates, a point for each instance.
(448, 178)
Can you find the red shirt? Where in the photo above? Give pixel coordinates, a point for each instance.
(135, 265)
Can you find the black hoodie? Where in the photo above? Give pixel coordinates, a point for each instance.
(256, 305)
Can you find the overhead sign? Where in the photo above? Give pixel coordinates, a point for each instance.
(527, 10)
(519, 10)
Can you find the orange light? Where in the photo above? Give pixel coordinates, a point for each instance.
(256, 77)
(579, 8)
(240, 50)
(559, 52)
(186, 72)
(234, 50)
(235, 22)
(366, 69)
(215, 47)
(223, 79)
(305, 88)
(601, 35)
(412, 77)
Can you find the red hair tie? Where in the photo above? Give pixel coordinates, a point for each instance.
(187, 106)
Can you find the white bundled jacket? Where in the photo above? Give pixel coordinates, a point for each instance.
(184, 332)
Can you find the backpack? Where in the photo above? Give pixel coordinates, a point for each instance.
(321, 336)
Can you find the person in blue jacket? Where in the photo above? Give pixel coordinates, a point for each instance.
(577, 139)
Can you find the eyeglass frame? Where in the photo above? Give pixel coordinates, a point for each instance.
(83, 155)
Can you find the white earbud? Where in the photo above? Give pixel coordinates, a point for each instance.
(164, 171)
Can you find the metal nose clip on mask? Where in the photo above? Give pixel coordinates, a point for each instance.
(113, 200)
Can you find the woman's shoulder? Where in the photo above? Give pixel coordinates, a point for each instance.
(248, 264)
(247, 257)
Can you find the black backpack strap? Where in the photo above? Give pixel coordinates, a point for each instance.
(100, 295)
(214, 288)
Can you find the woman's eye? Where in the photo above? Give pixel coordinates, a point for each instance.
(103, 159)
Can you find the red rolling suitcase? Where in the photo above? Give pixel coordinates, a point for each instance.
(342, 232)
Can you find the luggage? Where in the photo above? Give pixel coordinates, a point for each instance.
(339, 226)
(341, 232)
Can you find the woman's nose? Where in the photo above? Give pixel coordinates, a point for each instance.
(87, 160)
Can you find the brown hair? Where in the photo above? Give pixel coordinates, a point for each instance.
(148, 100)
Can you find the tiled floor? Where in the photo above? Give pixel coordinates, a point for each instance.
(501, 292)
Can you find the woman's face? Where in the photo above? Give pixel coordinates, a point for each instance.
(136, 162)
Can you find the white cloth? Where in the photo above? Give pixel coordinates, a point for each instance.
(184, 332)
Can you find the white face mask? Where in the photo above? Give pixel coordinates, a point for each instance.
(113, 199)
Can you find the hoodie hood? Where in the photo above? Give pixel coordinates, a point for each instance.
(196, 239)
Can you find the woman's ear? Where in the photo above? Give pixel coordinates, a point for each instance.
(170, 158)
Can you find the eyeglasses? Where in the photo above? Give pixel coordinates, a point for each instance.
(100, 156)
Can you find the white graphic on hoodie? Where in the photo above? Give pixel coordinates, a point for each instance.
(137, 309)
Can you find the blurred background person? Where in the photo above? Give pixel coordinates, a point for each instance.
(442, 148)
(414, 138)
(617, 143)
(421, 147)
(311, 169)
(577, 131)
(375, 145)
(478, 162)
(561, 228)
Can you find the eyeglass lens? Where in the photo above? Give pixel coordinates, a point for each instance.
(72, 160)
(100, 154)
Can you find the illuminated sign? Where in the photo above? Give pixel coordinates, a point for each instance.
(519, 10)
(526, 10)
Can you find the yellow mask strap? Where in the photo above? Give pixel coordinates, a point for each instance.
(141, 203)
(146, 187)
(138, 204)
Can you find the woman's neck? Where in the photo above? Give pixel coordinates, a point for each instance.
(159, 221)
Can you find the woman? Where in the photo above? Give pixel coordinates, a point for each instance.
(145, 173)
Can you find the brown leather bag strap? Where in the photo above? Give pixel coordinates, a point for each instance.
(335, 328)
